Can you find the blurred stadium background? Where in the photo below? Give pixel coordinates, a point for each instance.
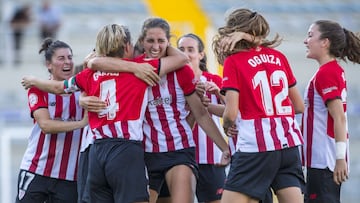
(82, 19)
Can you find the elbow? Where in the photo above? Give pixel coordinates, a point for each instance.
(45, 127)
(299, 108)
(185, 59)
(92, 63)
(229, 119)
(59, 89)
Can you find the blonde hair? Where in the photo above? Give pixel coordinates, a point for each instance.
(111, 40)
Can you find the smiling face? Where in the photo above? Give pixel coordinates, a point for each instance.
(61, 65)
(190, 47)
(155, 43)
(316, 47)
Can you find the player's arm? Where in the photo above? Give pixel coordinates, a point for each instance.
(228, 43)
(231, 109)
(336, 111)
(296, 100)
(51, 86)
(174, 60)
(91, 103)
(143, 71)
(204, 120)
(216, 109)
(50, 126)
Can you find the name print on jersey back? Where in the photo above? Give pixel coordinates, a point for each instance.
(264, 58)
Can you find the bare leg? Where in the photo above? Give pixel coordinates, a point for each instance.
(182, 183)
(236, 197)
(153, 196)
(290, 195)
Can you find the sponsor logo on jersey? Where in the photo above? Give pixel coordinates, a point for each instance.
(160, 101)
(329, 89)
(65, 119)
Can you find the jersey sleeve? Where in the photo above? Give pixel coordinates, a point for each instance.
(230, 76)
(78, 82)
(36, 99)
(186, 79)
(329, 84)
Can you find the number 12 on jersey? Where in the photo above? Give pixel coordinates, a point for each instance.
(270, 101)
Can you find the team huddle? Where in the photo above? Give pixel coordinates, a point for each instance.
(149, 123)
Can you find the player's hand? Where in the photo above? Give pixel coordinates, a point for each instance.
(212, 88)
(205, 100)
(228, 43)
(341, 173)
(85, 119)
(232, 131)
(145, 72)
(225, 158)
(200, 88)
(88, 57)
(28, 81)
(92, 104)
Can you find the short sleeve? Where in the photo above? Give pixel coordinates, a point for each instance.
(186, 79)
(230, 79)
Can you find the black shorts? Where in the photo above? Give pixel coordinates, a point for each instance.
(159, 163)
(164, 191)
(33, 188)
(117, 171)
(268, 197)
(254, 173)
(210, 183)
(82, 174)
(320, 186)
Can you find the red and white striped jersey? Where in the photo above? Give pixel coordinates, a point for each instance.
(207, 151)
(266, 120)
(54, 155)
(126, 98)
(317, 125)
(87, 138)
(165, 126)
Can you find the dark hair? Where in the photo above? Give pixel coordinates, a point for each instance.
(201, 48)
(49, 47)
(138, 49)
(344, 44)
(243, 20)
(154, 23)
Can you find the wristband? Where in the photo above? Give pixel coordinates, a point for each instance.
(340, 150)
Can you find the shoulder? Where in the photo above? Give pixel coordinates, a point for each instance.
(186, 69)
(330, 69)
(142, 59)
(212, 75)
